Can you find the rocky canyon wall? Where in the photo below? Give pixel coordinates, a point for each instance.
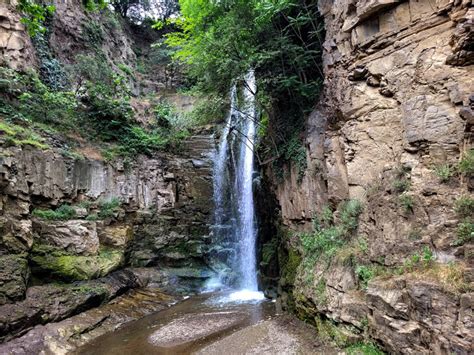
(76, 230)
(396, 109)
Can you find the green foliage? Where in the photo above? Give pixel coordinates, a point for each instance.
(95, 5)
(444, 172)
(93, 33)
(320, 292)
(34, 15)
(466, 165)
(464, 206)
(406, 202)
(14, 135)
(418, 260)
(365, 274)
(465, 232)
(326, 240)
(363, 349)
(295, 152)
(401, 185)
(281, 40)
(108, 208)
(63, 213)
(209, 109)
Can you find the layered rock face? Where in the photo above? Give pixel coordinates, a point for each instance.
(160, 220)
(397, 105)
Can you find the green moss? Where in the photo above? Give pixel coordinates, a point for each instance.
(76, 267)
(290, 267)
(363, 349)
(269, 251)
(14, 135)
(330, 332)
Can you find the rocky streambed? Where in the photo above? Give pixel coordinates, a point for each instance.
(148, 321)
(210, 323)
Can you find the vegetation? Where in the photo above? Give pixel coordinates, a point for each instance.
(363, 349)
(282, 40)
(464, 208)
(64, 212)
(444, 172)
(14, 135)
(466, 165)
(328, 236)
(34, 15)
(406, 202)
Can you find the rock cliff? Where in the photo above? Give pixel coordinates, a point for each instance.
(393, 124)
(77, 230)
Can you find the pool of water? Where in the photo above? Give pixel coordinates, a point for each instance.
(187, 326)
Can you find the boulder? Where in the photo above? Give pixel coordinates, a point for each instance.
(75, 237)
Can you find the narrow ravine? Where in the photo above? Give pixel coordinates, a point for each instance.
(231, 301)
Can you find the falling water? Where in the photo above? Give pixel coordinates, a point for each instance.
(234, 216)
(243, 187)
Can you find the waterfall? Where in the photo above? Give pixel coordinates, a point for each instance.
(234, 225)
(244, 190)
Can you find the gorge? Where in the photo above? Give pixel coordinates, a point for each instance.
(158, 177)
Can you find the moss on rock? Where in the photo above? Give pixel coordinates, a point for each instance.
(75, 267)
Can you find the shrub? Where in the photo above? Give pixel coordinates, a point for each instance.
(34, 15)
(466, 165)
(465, 232)
(406, 202)
(108, 208)
(365, 274)
(401, 185)
(464, 206)
(444, 172)
(64, 212)
(326, 240)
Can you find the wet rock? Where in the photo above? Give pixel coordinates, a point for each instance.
(76, 237)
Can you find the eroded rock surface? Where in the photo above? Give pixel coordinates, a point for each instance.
(396, 106)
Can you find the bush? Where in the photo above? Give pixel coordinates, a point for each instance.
(466, 165)
(107, 209)
(401, 185)
(326, 240)
(64, 212)
(465, 232)
(365, 274)
(444, 172)
(406, 202)
(464, 206)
